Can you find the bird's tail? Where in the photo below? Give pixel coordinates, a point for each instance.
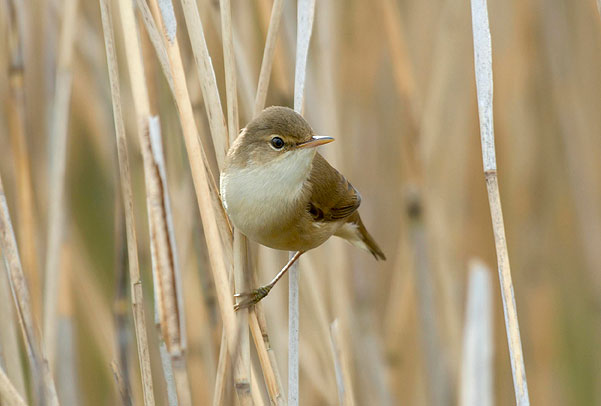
(355, 232)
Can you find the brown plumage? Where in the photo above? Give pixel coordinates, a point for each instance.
(326, 182)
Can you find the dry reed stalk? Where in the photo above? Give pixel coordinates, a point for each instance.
(246, 78)
(172, 399)
(264, 352)
(201, 358)
(339, 268)
(166, 271)
(306, 12)
(120, 307)
(9, 344)
(212, 102)
(217, 255)
(174, 59)
(477, 361)
(257, 322)
(319, 308)
(121, 384)
(57, 153)
(165, 264)
(126, 192)
(320, 349)
(484, 86)
(222, 372)
(168, 293)
(293, 335)
(44, 390)
(156, 39)
(208, 82)
(26, 219)
(268, 52)
(8, 394)
(230, 69)
(341, 363)
(242, 372)
(196, 158)
(280, 65)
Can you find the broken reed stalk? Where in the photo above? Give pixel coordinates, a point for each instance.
(167, 277)
(57, 156)
(242, 372)
(26, 222)
(305, 15)
(137, 296)
(484, 86)
(477, 359)
(341, 365)
(44, 389)
(8, 393)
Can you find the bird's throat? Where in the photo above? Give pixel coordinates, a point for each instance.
(266, 190)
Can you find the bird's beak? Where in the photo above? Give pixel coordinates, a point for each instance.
(315, 141)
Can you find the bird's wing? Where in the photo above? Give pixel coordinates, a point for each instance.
(332, 196)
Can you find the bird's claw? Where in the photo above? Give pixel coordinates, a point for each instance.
(251, 298)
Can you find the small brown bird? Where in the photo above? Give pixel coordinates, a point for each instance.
(280, 192)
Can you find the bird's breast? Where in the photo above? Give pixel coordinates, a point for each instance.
(267, 203)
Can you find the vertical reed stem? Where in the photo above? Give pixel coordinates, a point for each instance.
(484, 85)
(476, 366)
(137, 296)
(306, 12)
(44, 389)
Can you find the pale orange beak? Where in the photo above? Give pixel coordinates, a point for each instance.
(315, 141)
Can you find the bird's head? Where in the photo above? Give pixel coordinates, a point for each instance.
(277, 133)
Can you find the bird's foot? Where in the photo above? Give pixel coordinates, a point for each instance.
(251, 298)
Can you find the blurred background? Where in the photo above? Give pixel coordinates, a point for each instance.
(393, 82)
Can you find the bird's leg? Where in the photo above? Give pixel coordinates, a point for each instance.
(254, 296)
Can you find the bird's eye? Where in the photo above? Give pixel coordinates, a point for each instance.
(277, 142)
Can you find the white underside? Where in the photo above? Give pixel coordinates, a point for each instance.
(257, 197)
